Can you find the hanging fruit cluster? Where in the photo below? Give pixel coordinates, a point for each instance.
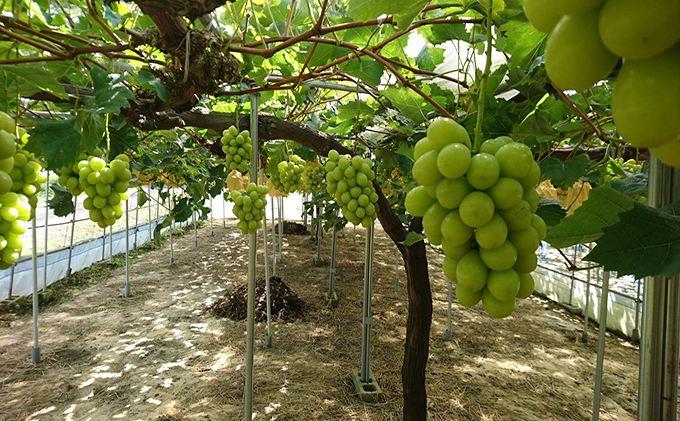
(315, 178)
(587, 38)
(249, 207)
(21, 177)
(237, 148)
(480, 207)
(350, 179)
(104, 183)
(287, 177)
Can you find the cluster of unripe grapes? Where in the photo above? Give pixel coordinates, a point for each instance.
(287, 177)
(20, 179)
(105, 185)
(237, 148)
(350, 179)
(481, 209)
(629, 167)
(249, 207)
(585, 42)
(315, 177)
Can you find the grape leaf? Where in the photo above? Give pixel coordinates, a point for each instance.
(630, 186)
(404, 12)
(600, 210)
(564, 174)
(551, 211)
(366, 69)
(110, 94)
(429, 57)
(62, 201)
(152, 82)
(58, 141)
(122, 138)
(142, 198)
(412, 238)
(645, 242)
(410, 104)
(31, 79)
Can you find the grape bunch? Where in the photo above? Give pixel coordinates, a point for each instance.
(27, 173)
(237, 148)
(315, 178)
(287, 177)
(350, 179)
(69, 176)
(15, 212)
(612, 172)
(585, 42)
(105, 185)
(249, 207)
(480, 208)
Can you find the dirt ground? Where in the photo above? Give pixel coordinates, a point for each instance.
(160, 355)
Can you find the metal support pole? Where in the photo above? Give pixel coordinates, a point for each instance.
(304, 210)
(396, 271)
(636, 331)
(104, 245)
(224, 211)
(127, 251)
(172, 248)
(111, 244)
(367, 315)
(604, 301)
(11, 280)
(150, 228)
(252, 255)
(268, 335)
(273, 239)
(193, 218)
(584, 336)
(355, 235)
(573, 276)
(211, 218)
(331, 280)
(319, 238)
(73, 229)
(280, 229)
(35, 351)
(447, 334)
(47, 214)
(658, 380)
(134, 245)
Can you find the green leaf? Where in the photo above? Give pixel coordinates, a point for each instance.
(429, 57)
(601, 210)
(122, 139)
(152, 82)
(412, 238)
(366, 69)
(58, 141)
(564, 174)
(182, 210)
(404, 12)
(91, 128)
(110, 94)
(630, 186)
(645, 242)
(409, 103)
(439, 34)
(551, 211)
(142, 198)
(31, 79)
(62, 201)
(522, 43)
(405, 150)
(323, 53)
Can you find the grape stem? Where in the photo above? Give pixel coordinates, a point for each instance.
(483, 82)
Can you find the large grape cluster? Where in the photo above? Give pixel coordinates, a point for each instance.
(620, 170)
(315, 178)
(237, 148)
(18, 169)
(287, 177)
(480, 208)
(350, 179)
(249, 207)
(585, 42)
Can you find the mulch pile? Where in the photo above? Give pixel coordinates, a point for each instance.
(292, 228)
(285, 303)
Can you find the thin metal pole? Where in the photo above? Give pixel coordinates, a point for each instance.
(111, 244)
(172, 203)
(280, 229)
(150, 229)
(127, 251)
(252, 254)
(268, 335)
(158, 205)
(396, 271)
(636, 331)
(584, 336)
(355, 235)
(367, 316)
(304, 210)
(11, 280)
(193, 218)
(604, 301)
(73, 229)
(47, 214)
(211, 218)
(273, 238)
(573, 275)
(447, 334)
(134, 246)
(104, 245)
(35, 351)
(658, 379)
(224, 211)
(319, 236)
(331, 281)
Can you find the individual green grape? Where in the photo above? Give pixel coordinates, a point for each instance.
(483, 172)
(417, 201)
(503, 285)
(493, 234)
(500, 258)
(466, 297)
(506, 193)
(496, 308)
(471, 271)
(477, 209)
(452, 228)
(526, 285)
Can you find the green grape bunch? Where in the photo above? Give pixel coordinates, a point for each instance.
(249, 207)
(237, 148)
(15, 212)
(27, 172)
(315, 178)
(287, 178)
(481, 208)
(105, 185)
(629, 167)
(69, 176)
(350, 179)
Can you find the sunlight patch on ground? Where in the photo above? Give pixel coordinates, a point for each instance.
(154, 401)
(222, 361)
(271, 407)
(168, 366)
(507, 364)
